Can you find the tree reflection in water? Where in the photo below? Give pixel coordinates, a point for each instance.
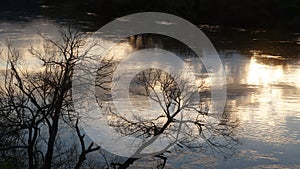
(178, 120)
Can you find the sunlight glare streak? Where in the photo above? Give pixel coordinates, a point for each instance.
(259, 74)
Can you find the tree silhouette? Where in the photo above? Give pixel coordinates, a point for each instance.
(181, 117)
(35, 105)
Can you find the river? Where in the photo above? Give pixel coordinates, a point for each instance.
(263, 93)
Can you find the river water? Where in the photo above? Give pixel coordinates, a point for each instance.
(263, 95)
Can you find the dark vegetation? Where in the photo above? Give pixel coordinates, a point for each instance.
(234, 13)
(260, 13)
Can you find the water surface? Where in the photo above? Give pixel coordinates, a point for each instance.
(263, 95)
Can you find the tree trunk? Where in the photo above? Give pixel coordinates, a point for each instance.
(30, 157)
(127, 163)
(82, 158)
(51, 141)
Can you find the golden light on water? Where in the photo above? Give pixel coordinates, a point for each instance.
(268, 70)
(260, 74)
(267, 108)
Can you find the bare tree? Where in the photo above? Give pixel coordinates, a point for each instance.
(34, 104)
(182, 117)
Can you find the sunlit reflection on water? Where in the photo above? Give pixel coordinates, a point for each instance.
(264, 95)
(264, 111)
(259, 74)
